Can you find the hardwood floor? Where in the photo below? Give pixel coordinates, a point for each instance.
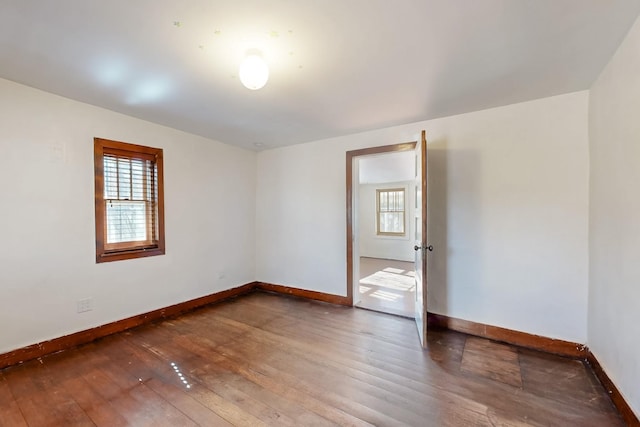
(266, 359)
(387, 286)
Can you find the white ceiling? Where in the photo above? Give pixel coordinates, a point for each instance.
(386, 168)
(337, 66)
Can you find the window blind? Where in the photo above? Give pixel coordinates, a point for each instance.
(130, 197)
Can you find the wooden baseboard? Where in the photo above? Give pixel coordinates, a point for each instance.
(616, 397)
(522, 339)
(549, 345)
(69, 341)
(82, 337)
(302, 293)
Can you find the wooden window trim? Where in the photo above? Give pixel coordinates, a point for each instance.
(404, 212)
(121, 251)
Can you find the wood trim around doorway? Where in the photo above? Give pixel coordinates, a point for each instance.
(406, 146)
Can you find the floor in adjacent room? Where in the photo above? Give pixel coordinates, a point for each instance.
(387, 286)
(267, 359)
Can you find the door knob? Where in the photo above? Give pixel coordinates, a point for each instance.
(429, 248)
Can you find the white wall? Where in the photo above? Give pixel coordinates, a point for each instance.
(47, 256)
(614, 228)
(508, 206)
(386, 247)
(508, 210)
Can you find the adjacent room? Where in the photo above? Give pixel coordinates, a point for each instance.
(384, 229)
(303, 213)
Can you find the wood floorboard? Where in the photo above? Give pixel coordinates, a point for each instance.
(210, 375)
(251, 369)
(381, 374)
(365, 334)
(259, 394)
(399, 341)
(334, 362)
(357, 366)
(265, 359)
(307, 366)
(551, 377)
(320, 346)
(261, 365)
(492, 360)
(33, 389)
(68, 374)
(10, 413)
(144, 365)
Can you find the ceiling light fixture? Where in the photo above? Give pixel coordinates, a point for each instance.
(254, 71)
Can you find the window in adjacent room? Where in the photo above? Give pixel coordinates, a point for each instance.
(129, 201)
(390, 210)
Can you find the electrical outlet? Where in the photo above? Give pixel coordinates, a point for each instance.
(85, 305)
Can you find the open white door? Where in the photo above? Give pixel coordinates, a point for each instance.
(420, 238)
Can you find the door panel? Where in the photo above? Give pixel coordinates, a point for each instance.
(420, 238)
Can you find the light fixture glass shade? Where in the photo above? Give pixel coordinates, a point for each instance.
(254, 72)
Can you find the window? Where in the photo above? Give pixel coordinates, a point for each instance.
(129, 201)
(390, 212)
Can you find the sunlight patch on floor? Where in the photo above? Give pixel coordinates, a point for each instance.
(387, 286)
(384, 279)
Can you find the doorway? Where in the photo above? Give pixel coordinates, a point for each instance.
(380, 267)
